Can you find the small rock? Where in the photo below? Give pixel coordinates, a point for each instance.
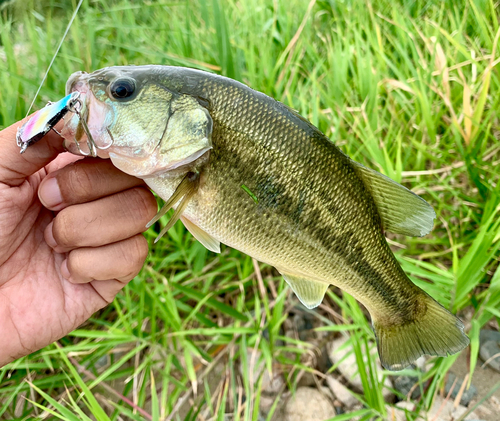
(266, 403)
(323, 363)
(495, 403)
(326, 391)
(489, 352)
(308, 404)
(405, 384)
(339, 409)
(349, 368)
(489, 335)
(271, 383)
(303, 323)
(420, 363)
(398, 412)
(306, 379)
(467, 395)
(489, 349)
(341, 392)
(355, 408)
(484, 411)
(102, 362)
(446, 410)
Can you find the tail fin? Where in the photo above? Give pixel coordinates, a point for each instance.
(437, 332)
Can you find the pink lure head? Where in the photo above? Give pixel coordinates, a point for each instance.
(44, 120)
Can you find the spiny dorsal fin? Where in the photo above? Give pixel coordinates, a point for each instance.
(401, 210)
(183, 193)
(204, 238)
(309, 292)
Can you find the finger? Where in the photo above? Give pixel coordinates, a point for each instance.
(83, 181)
(14, 166)
(120, 261)
(107, 220)
(61, 161)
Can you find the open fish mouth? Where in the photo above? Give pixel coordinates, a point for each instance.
(86, 130)
(74, 79)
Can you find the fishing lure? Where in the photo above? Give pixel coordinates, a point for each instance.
(45, 120)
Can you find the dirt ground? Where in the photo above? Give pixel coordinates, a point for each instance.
(484, 380)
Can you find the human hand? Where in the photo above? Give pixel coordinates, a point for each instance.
(61, 262)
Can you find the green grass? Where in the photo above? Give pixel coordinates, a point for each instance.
(410, 90)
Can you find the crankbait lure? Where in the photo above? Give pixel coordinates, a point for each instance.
(45, 120)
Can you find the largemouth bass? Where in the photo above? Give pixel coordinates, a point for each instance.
(245, 170)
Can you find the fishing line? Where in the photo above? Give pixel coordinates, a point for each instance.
(55, 55)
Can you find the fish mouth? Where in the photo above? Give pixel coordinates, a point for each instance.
(86, 129)
(72, 80)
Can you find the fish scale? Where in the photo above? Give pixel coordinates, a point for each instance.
(268, 183)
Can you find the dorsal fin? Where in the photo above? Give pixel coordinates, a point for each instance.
(309, 292)
(401, 210)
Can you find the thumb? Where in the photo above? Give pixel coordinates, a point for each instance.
(14, 167)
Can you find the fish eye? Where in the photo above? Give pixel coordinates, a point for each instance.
(122, 88)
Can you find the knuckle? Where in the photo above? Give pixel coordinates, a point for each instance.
(64, 229)
(134, 252)
(140, 251)
(76, 264)
(142, 248)
(79, 182)
(142, 204)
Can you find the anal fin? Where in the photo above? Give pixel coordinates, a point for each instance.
(309, 292)
(204, 238)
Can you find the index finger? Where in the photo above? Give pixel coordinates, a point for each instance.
(83, 181)
(16, 167)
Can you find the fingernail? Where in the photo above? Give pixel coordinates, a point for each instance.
(49, 194)
(64, 269)
(49, 237)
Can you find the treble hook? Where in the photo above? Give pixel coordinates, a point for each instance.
(90, 140)
(91, 144)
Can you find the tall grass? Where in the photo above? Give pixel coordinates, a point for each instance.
(408, 89)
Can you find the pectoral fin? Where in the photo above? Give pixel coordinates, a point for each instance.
(183, 194)
(401, 210)
(204, 238)
(309, 292)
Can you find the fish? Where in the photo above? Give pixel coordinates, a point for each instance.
(245, 170)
